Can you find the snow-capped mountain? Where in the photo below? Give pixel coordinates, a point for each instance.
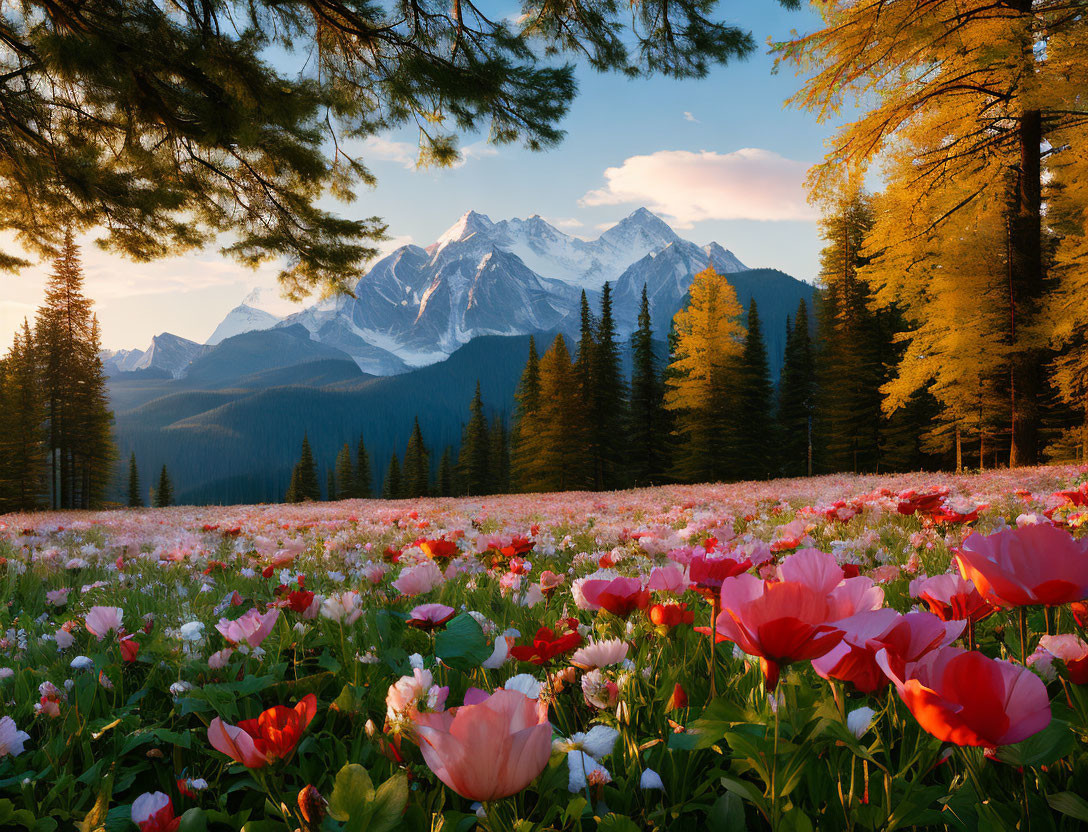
(417, 305)
(167, 355)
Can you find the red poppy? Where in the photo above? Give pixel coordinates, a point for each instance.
(707, 573)
(270, 737)
(439, 549)
(519, 546)
(130, 649)
(911, 502)
(671, 615)
(547, 644)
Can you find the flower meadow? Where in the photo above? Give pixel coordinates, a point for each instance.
(838, 653)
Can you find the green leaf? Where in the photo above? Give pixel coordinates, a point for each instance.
(616, 823)
(389, 803)
(351, 794)
(194, 820)
(1042, 749)
(727, 814)
(462, 645)
(326, 661)
(1069, 804)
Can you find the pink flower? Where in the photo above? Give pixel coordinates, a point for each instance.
(101, 621)
(667, 579)
(344, 607)
(252, 628)
(600, 654)
(411, 694)
(219, 660)
(270, 737)
(490, 750)
(1073, 653)
(57, 597)
(416, 580)
(154, 812)
(430, 616)
(11, 738)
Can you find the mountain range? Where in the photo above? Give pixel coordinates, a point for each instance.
(423, 325)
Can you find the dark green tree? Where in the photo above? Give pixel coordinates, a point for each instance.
(22, 440)
(609, 402)
(331, 492)
(647, 419)
(445, 473)
(417, 465)
(135, 499)
(756, 440)
(498, 456)
(393, 487)
(526, 419)
(304, 478)
(797, 397)
(345, 474)
(472, 460)
(363, 478)
(164, 492)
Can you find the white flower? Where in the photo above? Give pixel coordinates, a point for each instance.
(524, 683)
(81, 663)
(859, 720)
(584, 753)
(192, 631)
(11, 738)
(651, 780)
(178, 688)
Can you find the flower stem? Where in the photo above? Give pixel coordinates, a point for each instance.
(714, 603)
(1023, 621)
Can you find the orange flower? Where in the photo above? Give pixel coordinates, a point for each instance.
(270, 737)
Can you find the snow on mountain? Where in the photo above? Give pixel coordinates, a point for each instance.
(242, 318)
(120, 361)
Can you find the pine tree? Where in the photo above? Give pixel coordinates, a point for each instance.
(164, 493)
(80, 449)
(393, 487)
(363, 478)
(135, 500)
(609, 402)
(417, 466)
(797, 397)
(472, 462)
(558, 450)
(585, 473)
(647, 427)
(445, 474)
(345, 474)
(498, 456)
(702, 378)
(292, 495)
(756, 439)
(331, 493)
(304, 479)
(523, 433)
(22, 440)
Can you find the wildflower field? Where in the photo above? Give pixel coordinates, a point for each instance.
(832, 653)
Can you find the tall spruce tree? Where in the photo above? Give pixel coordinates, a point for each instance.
(345, 474)
(80, 448)
(558, 461)
(498, 456)
(609, 402)
(22, 440)
(304, 479)
(135, 498)
(473, 462)
(363, 477)
(393, 486)
(584, 476)
(526, 425)
(647, 427)
(797, 397)
(164, 491)
(417, 465)
(444, 482)
(755, 430)
(331, 494)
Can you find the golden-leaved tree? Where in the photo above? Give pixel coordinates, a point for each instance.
(996, 84)
(702, 377)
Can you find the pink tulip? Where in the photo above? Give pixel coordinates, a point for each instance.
(101, 621)
(1026, 566)
(490, 750)
(252, 628)
(430, 616)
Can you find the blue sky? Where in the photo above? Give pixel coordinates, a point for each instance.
(674, 146)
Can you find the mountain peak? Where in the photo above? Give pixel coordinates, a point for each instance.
(471, 222)
(642, 223)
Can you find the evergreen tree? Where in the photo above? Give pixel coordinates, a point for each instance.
(498, 456)
(609, 402)
(22, 440)
(852, 345)
(472, 462)
(135, 500)
(584, 475)
(417, 466)
(558, 451)
(304, 479)
(363, 479)
(797, 397)
(345, 474)
(756, 439)
(331, 493)
(292, 496)
(445, 473)
(164, 493)
(526, 419)
(702, 379)
(393, 487)
(647, 427)
(80, 448)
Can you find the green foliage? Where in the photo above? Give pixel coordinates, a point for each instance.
(345, 474)
(474, 456)
(648, 423)
(164, 491)
(797, 397)
(756, 447)
(417, 466)
(135, 500)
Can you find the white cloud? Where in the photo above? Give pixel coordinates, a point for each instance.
(690, 117)
(565, 222)
(747, 184)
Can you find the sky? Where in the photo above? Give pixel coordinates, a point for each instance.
(720, 159)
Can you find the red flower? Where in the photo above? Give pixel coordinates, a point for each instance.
(671, 615)
(679, 699)
(519, 546)
(300, 600)
(130, 648)
(270, 737)
(439, 549)
(707, 573)
(620, 596)
(911, 502)
(547, 644)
